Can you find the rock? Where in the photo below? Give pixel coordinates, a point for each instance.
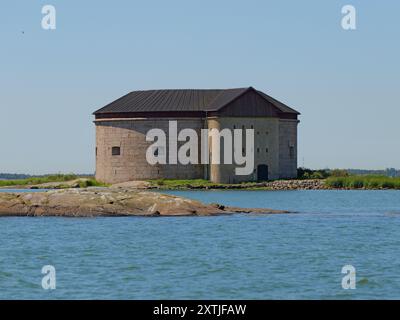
(109, 202)
(133, 184)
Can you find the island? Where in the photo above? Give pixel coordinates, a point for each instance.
(111, 202)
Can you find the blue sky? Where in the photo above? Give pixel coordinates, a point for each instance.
(346, 84)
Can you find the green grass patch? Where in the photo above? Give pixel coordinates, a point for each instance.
(172, 184)
(39, 180)
(86, 182)
(363, 182)
(91, 183)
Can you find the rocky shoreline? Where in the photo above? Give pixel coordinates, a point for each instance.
(111, 202)
(277, 185)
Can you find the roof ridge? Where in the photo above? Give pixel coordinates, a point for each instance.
(276, 102)
(242, 91)
(168, 100)
(188, 89)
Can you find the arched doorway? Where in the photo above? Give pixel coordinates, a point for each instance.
(262, 172)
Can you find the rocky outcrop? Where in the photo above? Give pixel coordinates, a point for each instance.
(110, 202)
(51, 185)
(309, 184)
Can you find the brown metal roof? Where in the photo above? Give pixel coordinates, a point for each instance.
(182, 100)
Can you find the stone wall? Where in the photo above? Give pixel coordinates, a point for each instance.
(131, 164)
(266, 148)
(288, 148)
(275, 145)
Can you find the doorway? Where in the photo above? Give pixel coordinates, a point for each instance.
(262, 172)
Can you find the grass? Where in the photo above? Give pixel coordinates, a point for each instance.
(90, 182)
(363, 182)
(172, 184)
(39, 180)
(335, 182)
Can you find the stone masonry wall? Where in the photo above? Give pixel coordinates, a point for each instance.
(266, 148)
(131, 164)
(275, 145)
(288, 148)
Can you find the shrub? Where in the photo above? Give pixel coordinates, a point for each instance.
(363, 182)
(317, 175)
(338, 173)
(304, 173)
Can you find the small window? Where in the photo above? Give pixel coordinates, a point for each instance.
(258, 150)
(251, 127)
(156, 152)
(234, 127)
(116, 151)
(266, 150)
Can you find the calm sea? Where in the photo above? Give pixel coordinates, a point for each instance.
(291, 256)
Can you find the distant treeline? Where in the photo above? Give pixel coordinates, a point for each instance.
(305, 173)
(390, 172)
(19, 176)
(14, 176)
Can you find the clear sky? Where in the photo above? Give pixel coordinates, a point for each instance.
(346, 84)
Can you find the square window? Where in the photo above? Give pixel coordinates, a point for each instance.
(116, 151)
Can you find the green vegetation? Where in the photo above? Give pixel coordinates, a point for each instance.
(84, 183)
(338, 173)
(304, 173)
(38, 180)
(363, 182)
(91, 183)
(171, 184)
(335, 179)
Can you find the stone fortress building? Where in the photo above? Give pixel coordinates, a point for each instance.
(121, 128)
